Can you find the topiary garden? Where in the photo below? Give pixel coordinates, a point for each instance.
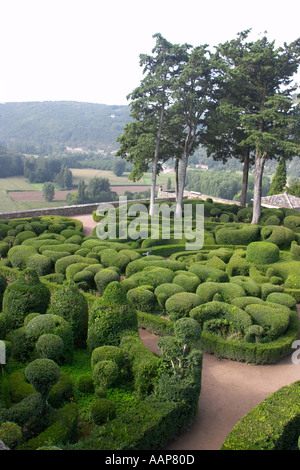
(78, 375)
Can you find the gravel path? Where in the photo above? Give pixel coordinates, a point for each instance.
(229, 389)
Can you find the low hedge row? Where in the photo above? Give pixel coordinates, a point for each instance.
(272, 425)
(60, 432)
(258, 353)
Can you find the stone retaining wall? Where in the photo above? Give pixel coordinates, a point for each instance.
(67, 211)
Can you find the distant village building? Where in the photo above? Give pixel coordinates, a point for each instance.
(281, 200)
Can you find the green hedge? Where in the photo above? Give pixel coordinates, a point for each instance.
(237, 236)
(257, 353)
(262, 253)
(272, 425)
(145, 365)
(60, 432)
(156, 325)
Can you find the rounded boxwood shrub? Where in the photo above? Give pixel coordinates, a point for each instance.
(262, 253)
(110, 316)
(280, 236)
(292, 281)
(62, 263)
(143, 299)
(40, 263)
(241, 302)
(104, 277)
(164, 291)
(153, 276)
(69, 303)
(229, 291)
(179, 305)
(295, 250)
(282, 299)
(27, 294)
(204, 273)
(53, 256)
(237, 236)
(110, 257)
(207, 290)
(188, 282)
(216, 262)
(71, 248)
(238, 320)
(22, 236)
(292, 222)
(30, 414)
(73, 269)
(50, 346)
(108, 353)
(267, 288)
(42, 374)
(51, 324)
(272, 220)
(11, 434)
(273, 320)
(249, 285)
(19, 255)
(4, 247)
(102, 410)
(106, 374)
(85, 280)
(128, 284)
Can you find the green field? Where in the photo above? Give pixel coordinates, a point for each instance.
(87, 173)
(20, 183)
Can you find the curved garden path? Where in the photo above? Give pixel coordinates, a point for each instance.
(229, 389)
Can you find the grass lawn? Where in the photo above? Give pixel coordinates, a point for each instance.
(87, 173)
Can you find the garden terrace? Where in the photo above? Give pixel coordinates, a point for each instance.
(240, 295)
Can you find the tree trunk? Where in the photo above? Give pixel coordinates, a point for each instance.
(181, 183)
(176, 167)
(184, 163)
(245, 177)
(259, 168)
(155, 162)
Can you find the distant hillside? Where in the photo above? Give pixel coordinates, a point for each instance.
(62, 123)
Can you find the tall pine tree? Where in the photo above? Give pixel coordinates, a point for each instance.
(279, 181)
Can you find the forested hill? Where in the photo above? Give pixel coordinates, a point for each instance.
(52, 124)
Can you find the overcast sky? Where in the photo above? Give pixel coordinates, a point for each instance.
(88, 50)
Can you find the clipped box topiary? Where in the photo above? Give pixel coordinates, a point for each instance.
(262, 253)
(110, 316)
(27, 294)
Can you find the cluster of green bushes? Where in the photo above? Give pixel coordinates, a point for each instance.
(71, 293)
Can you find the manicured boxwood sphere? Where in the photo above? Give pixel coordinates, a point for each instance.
(107, 353)
(50, 346)
(10, 434)
(262, 253)
(106, 374)
(51, 324)
(42, 374)
(179, 305)
(105, 277)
